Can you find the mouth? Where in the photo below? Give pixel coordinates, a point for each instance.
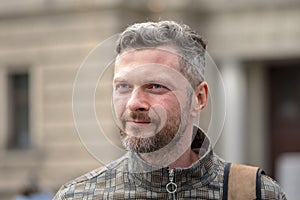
(140, 128)
(138, 122)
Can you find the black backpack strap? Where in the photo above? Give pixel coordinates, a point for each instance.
(225, 181)
(258, 183)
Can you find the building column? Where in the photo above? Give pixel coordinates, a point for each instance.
(258, 146)
(3, 110)
(233, 139)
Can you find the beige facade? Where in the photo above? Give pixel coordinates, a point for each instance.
(50, 39)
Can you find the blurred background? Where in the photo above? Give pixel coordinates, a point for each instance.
(255, 44)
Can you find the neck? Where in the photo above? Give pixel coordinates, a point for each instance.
(179, 155)
(186, 160)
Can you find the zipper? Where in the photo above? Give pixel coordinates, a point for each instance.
(171, 187)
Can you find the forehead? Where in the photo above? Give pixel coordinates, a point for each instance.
(164, 56)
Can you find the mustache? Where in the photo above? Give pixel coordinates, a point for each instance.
(136, 116)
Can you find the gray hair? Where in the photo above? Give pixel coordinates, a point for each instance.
(190, 46)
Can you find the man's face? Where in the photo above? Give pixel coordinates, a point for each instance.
(151, 98)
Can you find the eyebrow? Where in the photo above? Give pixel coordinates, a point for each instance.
(153, 80)
(118, 79)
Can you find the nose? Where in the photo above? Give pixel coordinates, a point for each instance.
(138, 101)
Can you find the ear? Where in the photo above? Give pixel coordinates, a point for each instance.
(201, 95)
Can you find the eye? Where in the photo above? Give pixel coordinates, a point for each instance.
(157, 88)
(122, 87)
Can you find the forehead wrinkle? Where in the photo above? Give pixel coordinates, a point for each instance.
(164, 55)
(166, 58)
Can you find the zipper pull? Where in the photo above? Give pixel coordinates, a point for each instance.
(171, 187)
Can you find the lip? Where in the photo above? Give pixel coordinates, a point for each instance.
(139, 123)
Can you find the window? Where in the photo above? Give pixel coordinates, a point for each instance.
(18, 111)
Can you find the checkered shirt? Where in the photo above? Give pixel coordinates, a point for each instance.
(202, 180)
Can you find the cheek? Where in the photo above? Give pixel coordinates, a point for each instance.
(178, 110)
(171, 105)
(119, 105)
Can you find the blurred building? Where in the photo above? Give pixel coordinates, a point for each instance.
(255, 44)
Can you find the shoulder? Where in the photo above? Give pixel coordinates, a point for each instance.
(270, 189)
(80, 183)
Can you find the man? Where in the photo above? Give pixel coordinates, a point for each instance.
(158, 92)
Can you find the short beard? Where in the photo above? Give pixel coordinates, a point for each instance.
(152, 143)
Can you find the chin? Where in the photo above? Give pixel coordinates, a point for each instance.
(140, 145)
